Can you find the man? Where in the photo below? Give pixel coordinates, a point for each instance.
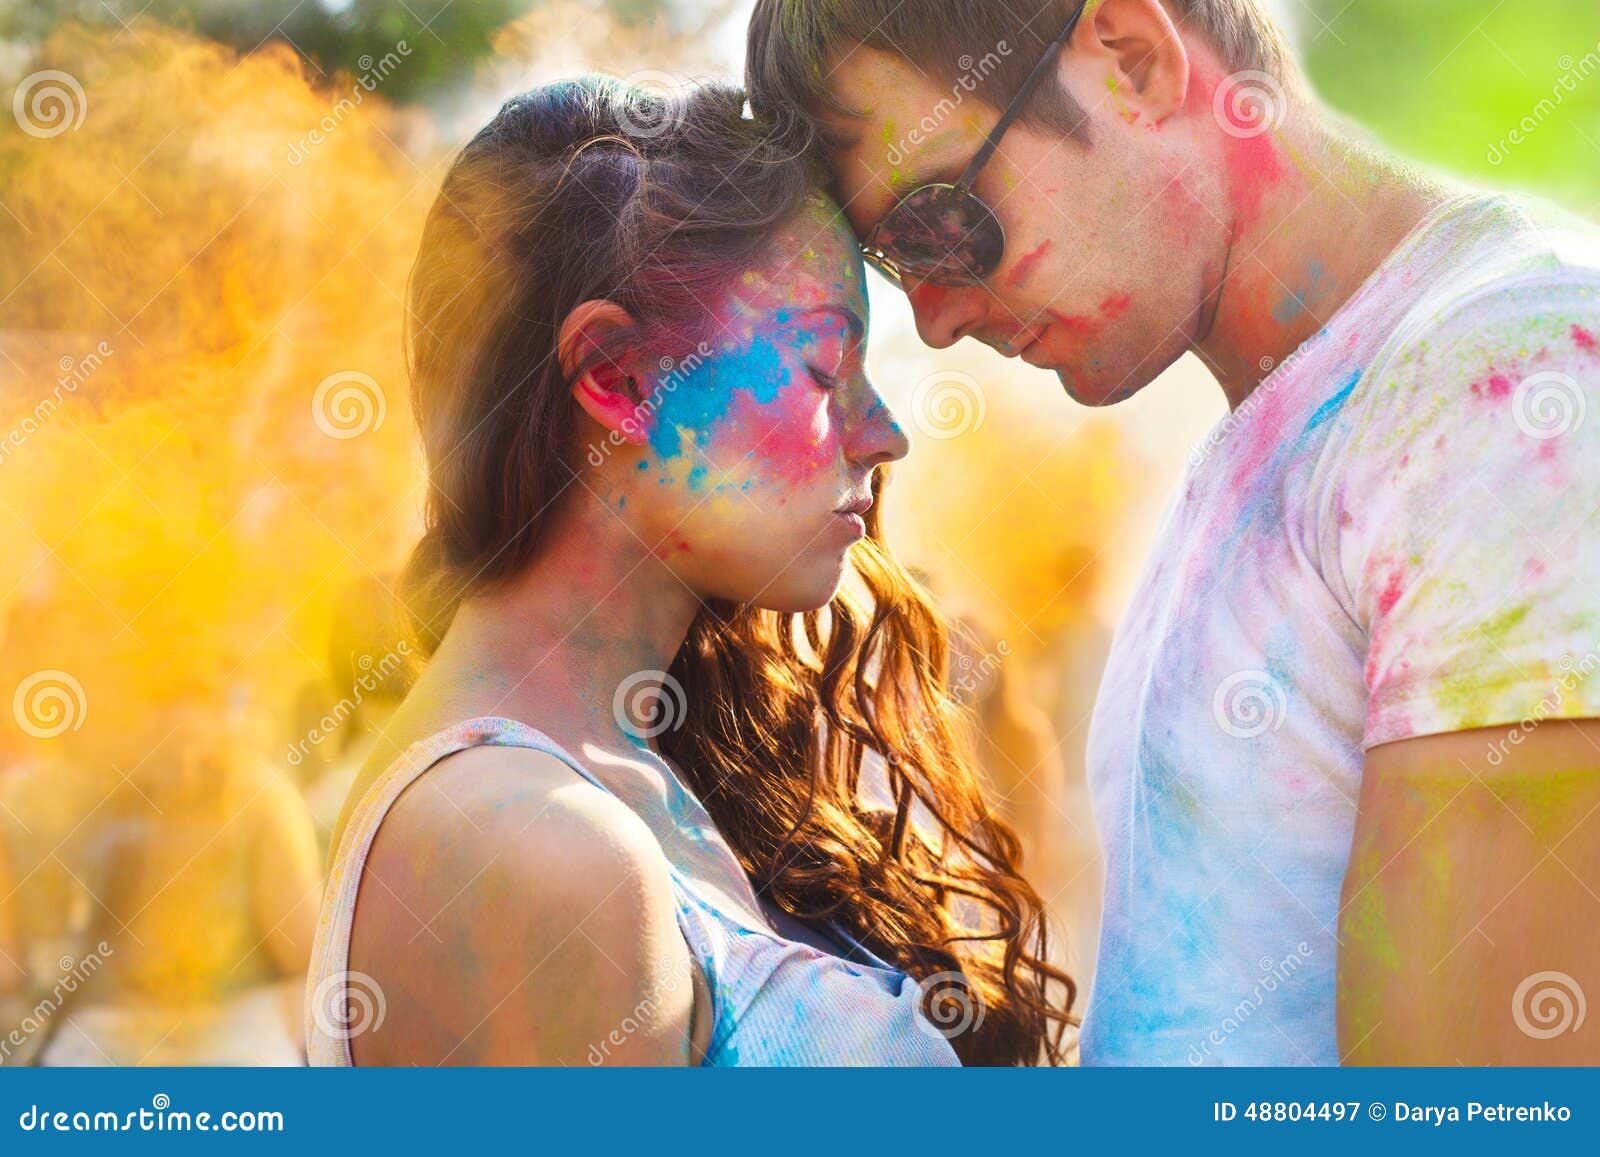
(1345, 759)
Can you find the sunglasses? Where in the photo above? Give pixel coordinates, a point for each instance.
(946, 234)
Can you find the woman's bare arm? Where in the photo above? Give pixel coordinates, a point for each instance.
(511, 913)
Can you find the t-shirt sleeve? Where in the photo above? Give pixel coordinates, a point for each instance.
(1467, 502)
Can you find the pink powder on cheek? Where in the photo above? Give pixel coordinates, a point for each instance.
(1585, 340)
(1497, 387)
(790, 439)
(1115, 306)
(1025, 267)
(1075, 324)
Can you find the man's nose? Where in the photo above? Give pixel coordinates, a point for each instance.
(944, 314)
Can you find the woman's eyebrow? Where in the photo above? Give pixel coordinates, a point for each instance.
(852, 320)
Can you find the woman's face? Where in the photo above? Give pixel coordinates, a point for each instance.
(755, 460)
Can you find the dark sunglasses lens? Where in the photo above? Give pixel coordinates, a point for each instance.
(942, 234)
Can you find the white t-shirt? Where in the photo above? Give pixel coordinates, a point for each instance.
(1396, 534)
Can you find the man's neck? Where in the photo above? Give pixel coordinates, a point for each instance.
(1323, 213)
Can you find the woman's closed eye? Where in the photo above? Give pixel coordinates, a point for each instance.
(824, 378)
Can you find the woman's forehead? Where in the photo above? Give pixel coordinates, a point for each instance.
(811, 262)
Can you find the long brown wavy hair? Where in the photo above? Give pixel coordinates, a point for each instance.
(595, 189)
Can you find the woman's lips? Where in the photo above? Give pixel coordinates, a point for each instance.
(856, 525)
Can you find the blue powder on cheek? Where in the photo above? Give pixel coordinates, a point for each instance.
(704, 398)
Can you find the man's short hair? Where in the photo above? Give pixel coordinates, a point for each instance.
(986, 47)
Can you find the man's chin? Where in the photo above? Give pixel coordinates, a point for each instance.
(1096, 392)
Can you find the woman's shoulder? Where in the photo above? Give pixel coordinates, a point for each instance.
(500, 886)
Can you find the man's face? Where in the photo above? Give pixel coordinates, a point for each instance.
(1109, 246)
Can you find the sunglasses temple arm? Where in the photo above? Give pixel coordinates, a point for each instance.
(992, 141)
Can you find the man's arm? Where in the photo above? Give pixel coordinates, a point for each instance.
(1469, 930)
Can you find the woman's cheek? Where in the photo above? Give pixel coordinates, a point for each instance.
(790, 442)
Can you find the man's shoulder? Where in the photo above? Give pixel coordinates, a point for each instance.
(1513, 255)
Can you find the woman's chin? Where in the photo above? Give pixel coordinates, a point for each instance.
(806, 586)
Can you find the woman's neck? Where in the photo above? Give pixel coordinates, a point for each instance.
(587, 629)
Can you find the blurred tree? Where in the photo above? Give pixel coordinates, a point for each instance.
(1446, 82)
(446, 39)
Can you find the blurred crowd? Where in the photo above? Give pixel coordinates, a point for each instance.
(164, 914)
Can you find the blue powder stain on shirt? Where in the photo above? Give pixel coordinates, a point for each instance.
(1334, 404)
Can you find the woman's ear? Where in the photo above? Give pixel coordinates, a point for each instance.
(1137, 55)
(601, 385)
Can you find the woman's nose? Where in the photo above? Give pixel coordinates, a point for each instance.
(876, 437)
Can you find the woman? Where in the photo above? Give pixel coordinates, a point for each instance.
(665, 645)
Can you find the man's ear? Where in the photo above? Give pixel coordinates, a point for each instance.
(1135, 53)
(604, 388)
